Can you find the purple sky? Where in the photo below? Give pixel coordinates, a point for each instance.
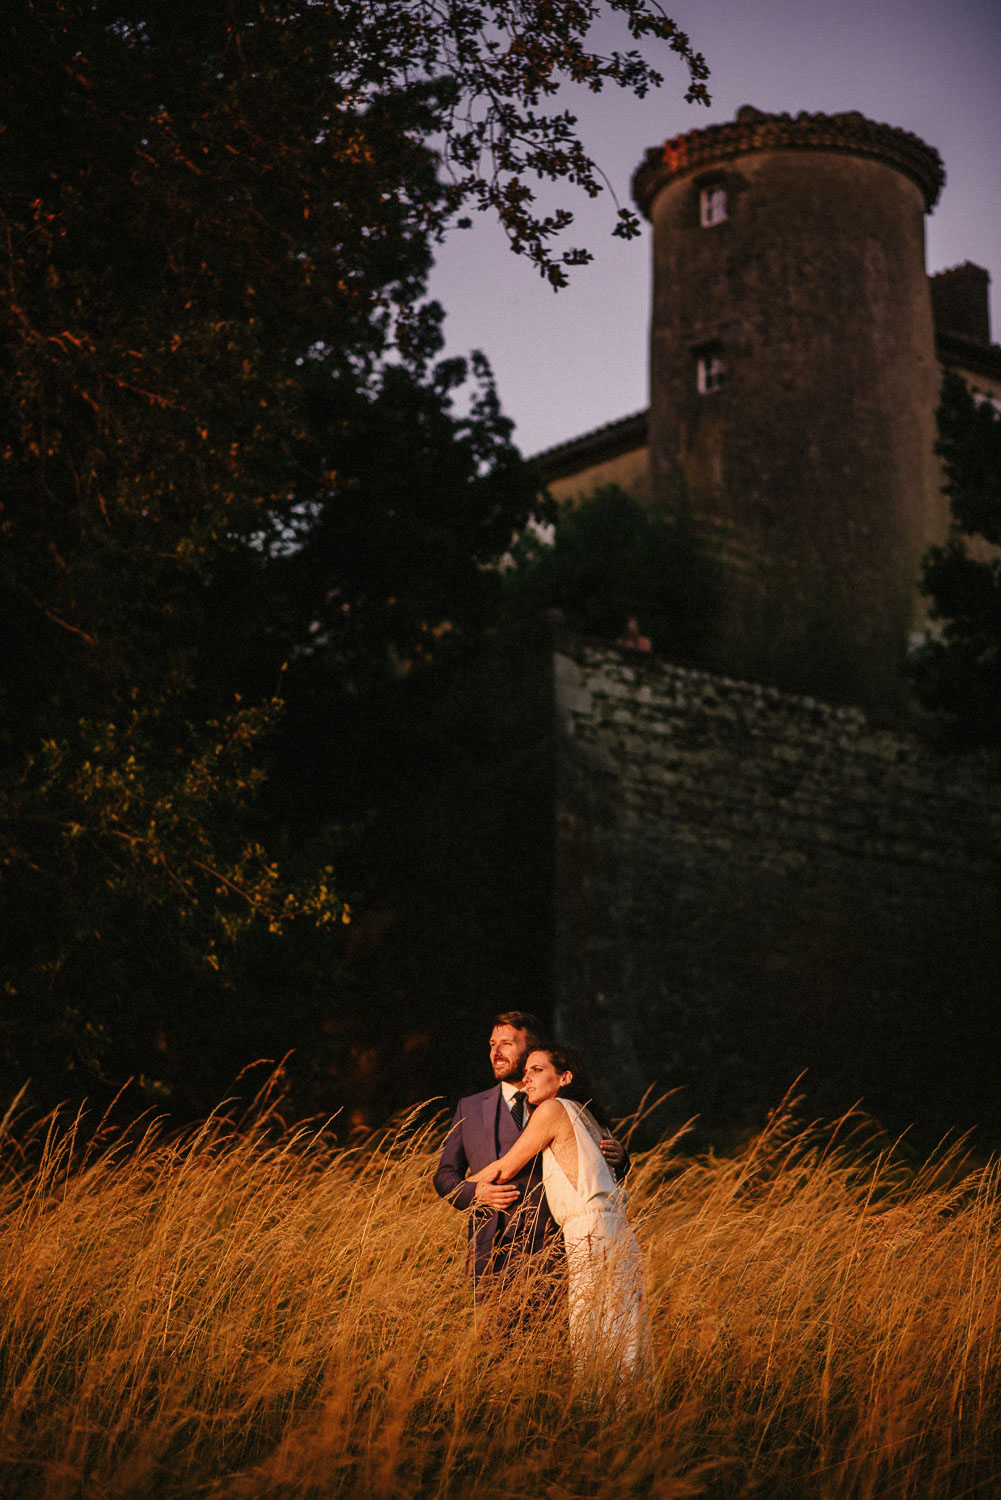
(571, 361)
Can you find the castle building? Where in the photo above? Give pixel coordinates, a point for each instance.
(797, 351)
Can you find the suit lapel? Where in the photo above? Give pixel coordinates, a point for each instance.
(491, 1101)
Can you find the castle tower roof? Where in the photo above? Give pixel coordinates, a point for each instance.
(755, 131)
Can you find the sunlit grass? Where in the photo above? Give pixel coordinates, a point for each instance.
(253, 1310)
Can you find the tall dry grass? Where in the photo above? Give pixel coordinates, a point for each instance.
(248, 1311)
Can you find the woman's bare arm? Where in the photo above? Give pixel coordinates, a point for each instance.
(539, 1133)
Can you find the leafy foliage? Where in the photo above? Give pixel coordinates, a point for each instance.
(224, 446)
(957, 671)
(612, 558)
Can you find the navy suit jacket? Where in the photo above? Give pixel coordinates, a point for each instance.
(482, 1130)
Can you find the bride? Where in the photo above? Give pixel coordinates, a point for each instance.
(609, 1324)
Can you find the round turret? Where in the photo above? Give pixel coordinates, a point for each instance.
(794, 384)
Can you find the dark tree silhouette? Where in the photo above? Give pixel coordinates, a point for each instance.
(957, 670)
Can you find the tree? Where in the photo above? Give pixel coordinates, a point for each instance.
(957, 669)
(218, 222)
(612, 558)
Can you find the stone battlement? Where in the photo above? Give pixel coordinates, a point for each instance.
(753, 131)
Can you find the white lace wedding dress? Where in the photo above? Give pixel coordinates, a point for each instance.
(609, 1322)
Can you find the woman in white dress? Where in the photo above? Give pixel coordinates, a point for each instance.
(609, 1323)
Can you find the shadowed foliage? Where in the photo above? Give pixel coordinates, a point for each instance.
(957, 670)
(226, 446)
(611, 558)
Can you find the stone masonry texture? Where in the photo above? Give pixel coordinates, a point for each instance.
(750, 884)
(811, 467)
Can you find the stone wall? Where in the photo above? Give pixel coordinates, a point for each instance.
(750, 884)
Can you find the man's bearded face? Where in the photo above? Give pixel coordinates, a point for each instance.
(508, 1051)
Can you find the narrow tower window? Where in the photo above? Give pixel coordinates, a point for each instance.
(712, 206)
(709, 371)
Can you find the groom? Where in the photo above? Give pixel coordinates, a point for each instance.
(485, 1125)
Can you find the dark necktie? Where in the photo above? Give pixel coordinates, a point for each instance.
(518, 1109)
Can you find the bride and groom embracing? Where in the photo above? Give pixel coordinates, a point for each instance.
(541, 1159)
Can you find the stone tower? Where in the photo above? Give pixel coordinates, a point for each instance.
(794, 383)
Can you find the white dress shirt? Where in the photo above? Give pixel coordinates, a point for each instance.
(509, 1090)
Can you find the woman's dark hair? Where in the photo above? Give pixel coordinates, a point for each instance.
(581, 1086)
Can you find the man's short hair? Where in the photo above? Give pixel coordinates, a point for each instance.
(523, 1020)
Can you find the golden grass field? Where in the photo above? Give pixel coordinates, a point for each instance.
(250, 1310)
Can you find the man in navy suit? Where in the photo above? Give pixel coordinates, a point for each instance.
(511, 1219)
